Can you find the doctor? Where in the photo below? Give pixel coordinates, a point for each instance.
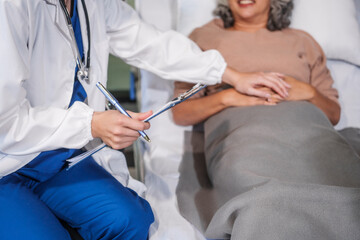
(52, 54)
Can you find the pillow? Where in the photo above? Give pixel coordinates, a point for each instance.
(333, 23)
(347, 82)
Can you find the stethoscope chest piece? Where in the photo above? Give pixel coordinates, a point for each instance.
(83, 69)
(83, 75)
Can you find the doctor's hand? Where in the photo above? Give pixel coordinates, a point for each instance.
(117, 130)
(250, 83)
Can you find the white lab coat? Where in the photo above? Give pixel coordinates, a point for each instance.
(37, 70)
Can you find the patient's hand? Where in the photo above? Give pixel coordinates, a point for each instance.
(300, 91)
(232, 98)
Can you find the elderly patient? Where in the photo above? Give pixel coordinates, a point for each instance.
(281, 171)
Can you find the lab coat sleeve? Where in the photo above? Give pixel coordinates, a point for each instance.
(25, 129)
(167, 54)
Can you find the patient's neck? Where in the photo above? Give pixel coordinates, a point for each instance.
(246, 27)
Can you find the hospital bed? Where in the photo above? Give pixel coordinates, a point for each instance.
(167, 165)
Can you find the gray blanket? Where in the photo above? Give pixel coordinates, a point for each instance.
(277, 172)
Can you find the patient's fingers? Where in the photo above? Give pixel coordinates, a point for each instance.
(262, 101)
(268, 103)
(276, 98)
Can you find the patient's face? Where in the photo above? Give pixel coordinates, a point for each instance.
(250, 11)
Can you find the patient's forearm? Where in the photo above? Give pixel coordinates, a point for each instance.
(328, 106)
(196, 110)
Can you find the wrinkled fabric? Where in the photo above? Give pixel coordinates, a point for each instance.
(281, 172)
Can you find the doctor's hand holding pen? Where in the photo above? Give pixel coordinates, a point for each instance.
(117, 130)
(251, 83)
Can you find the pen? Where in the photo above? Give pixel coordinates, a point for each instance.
(116, 104)
(196, 88)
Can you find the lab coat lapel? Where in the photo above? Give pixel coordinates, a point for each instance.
(83, 24)
(58, 17)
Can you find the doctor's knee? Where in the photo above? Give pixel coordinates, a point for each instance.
(126, 222)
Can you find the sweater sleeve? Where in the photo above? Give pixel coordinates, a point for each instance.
(320, 76)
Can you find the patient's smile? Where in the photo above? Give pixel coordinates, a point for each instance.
(246, 3)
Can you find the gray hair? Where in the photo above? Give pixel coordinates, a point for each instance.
(279, 17)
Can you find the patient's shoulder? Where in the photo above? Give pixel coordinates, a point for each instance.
(303, 35)
(206, 35)
(213, 27)
(308, 41)
(299, 33)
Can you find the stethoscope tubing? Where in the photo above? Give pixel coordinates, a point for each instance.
(68, 20)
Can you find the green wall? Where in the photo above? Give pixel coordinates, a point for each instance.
(118, 75)
(119, 72)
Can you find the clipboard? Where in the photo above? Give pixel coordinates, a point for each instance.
(196, 88)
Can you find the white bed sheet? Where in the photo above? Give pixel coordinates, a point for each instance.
(163, 156)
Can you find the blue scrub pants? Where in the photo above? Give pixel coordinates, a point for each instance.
(86, 197)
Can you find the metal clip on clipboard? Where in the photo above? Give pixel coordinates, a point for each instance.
(177, 100)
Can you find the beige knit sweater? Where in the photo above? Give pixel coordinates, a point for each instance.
(291, 52)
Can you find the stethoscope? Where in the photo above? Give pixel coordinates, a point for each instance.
(83, 70)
